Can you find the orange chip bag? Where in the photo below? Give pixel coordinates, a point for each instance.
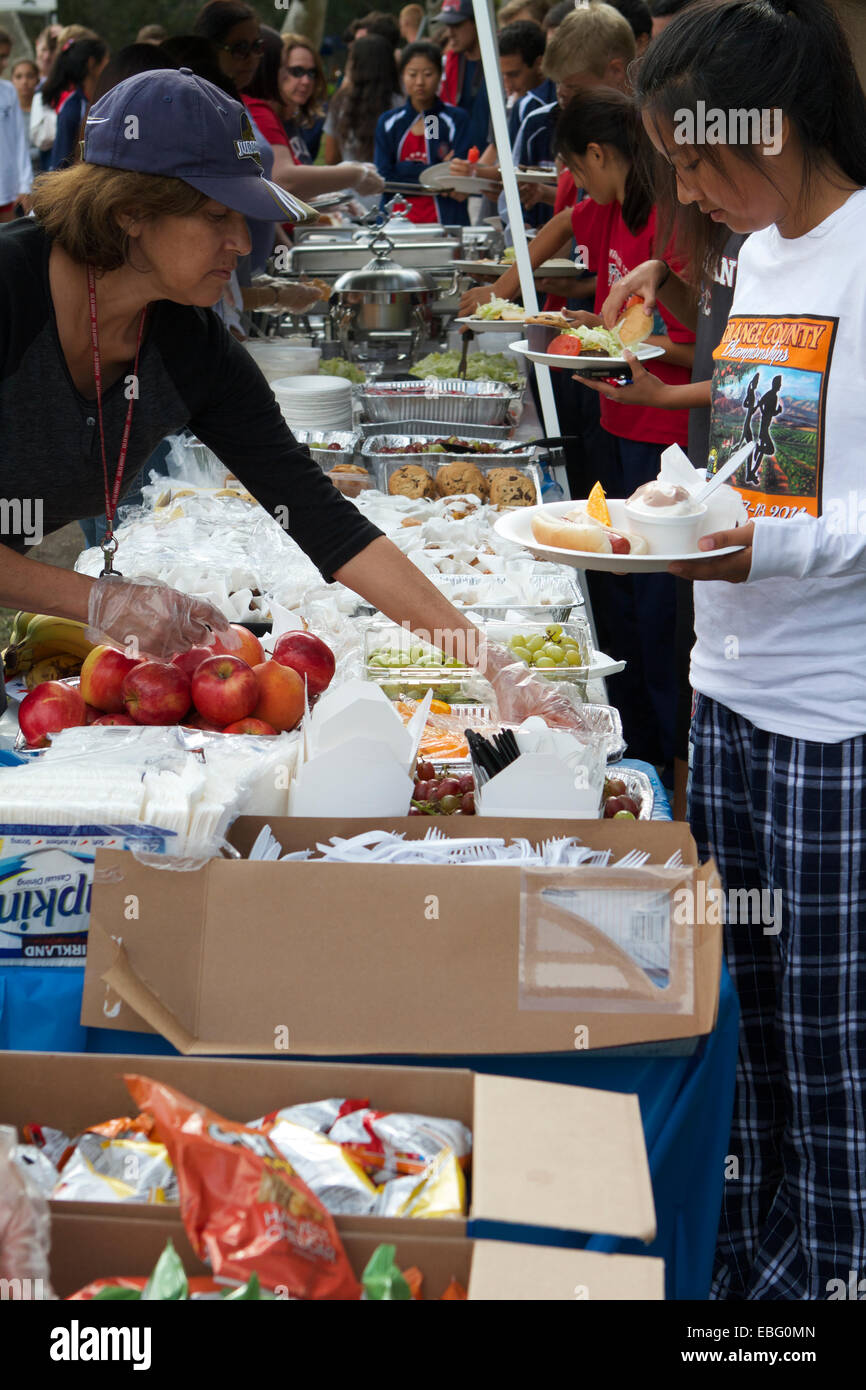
(244, 1207)
(454, 1291)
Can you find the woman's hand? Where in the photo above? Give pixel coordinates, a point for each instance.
(644, 280)
(645, 389)
(470, 301)
(153, 620)
(734, 569)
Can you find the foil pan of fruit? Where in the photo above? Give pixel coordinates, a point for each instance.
(427, 427)
(627, 795)
(405, 448)
(450, 399)
(441, 790)
(330, 446)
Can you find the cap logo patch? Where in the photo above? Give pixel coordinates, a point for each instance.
(246, 147)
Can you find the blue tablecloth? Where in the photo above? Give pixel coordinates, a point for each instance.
(685, 1098)
(685, 1103)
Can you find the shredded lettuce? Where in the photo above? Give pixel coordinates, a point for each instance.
(480, 366)
(338, 366)
(498, 309)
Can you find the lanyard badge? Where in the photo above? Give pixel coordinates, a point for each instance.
(109, 540)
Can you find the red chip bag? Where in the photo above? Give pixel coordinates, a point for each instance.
(244, 1207)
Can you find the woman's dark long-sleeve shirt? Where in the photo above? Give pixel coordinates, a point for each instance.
(192, 374)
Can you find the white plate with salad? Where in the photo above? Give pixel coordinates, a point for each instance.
(495, 316)
(603, 353)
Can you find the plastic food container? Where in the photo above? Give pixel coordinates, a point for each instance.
(552, 634)
(405, 666)
(664, 534)
(450, 399)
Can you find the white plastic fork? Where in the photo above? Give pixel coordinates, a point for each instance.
(635, 859)
(675, 861)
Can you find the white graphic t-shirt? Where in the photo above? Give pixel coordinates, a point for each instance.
(787, 650)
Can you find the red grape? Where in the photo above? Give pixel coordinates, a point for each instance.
(467, 804)
(467, 782)
(449, 804)
(425, 772)
(422, 791)
(414, 811)
(434, 791)
(449, 786)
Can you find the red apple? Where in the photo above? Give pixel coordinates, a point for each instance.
(115, 719)
(52, 706)
(250, 650)
(91, 714)
(190, 660)
(156, 692)
(102, 677)
(224, 689)
(309, 656)
(249, 726)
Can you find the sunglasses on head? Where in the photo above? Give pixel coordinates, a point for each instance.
(243, 48)
(297, 72)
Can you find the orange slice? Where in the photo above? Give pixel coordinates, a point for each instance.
(596, 506)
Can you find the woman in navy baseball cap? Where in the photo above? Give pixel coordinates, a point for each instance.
(105, 328)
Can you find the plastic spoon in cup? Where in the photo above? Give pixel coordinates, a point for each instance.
(727, 471)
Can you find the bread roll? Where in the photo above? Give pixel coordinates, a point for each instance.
(578, 531)
(635, 325)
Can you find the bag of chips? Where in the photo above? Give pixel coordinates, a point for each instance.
(244, 1207)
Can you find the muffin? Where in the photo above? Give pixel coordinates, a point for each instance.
(458, 479)
(411, 481)
(511, 488)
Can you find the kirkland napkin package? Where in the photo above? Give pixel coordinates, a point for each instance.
(46, 877)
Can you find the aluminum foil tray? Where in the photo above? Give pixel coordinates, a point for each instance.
(450, 400)
(348, 441)
(501, 433)
(374, 445)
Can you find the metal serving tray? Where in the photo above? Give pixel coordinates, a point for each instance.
(348, 441)
(383, 466)
(374, 445)
(500, 433)
(338, 256)
(450, 400)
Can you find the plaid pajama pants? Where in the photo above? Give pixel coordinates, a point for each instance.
(788, 815)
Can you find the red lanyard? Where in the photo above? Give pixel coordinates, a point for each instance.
(109, 543)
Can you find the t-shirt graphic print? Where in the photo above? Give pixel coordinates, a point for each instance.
(769, 389)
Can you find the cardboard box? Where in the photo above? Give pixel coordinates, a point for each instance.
(554, 1156)
(312, 959)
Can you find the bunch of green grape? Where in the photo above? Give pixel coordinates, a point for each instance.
(401, 657)
(547, 650)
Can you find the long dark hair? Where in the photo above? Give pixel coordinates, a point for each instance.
(604, 116)
(196, 52)
(265, 84)
(753, 55)
(215, 19)
(371, 86)
(129, 62)
(70, 68)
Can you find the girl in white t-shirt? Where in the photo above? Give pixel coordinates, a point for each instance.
(756, 106)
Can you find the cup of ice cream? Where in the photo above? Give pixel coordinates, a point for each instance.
(666, 516)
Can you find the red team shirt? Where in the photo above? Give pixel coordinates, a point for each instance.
(613, 252)
(414, 148)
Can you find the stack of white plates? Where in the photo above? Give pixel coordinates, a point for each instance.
(276, 357)
(315, 402)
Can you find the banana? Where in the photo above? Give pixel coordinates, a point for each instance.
(19, 627)
(52, 668)
(46, 636)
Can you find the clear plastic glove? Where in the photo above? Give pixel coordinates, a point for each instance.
(520, 694)
(153, 620)
(365, 179)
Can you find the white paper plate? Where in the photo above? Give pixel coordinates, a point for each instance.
(644, 353)
(479, 268)
(492, 325)
(439, 177)
(559, 269)
(517, 526)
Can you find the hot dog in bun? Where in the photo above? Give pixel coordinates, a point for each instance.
(577, 530)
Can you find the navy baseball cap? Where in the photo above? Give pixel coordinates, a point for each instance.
(455, 12)
(172, 123)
